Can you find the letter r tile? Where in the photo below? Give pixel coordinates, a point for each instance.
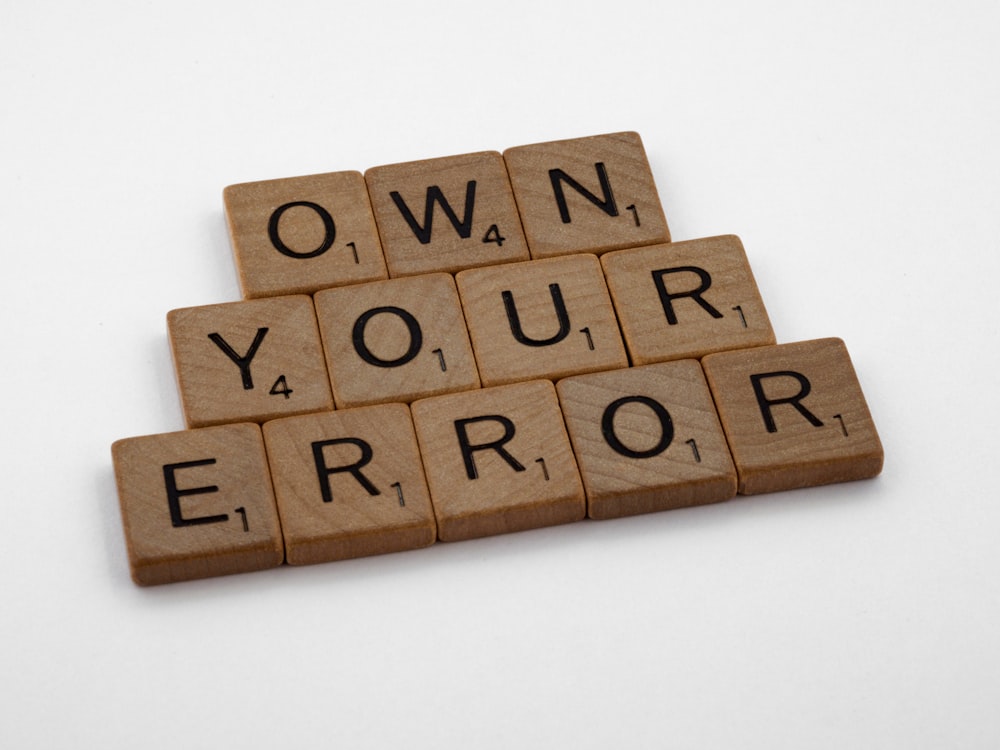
(647, 439)
(446, 214)
(349, 483)
(498, 460)
(249, 361)
(197, 503)
(586, 195)
(794, 415)
(686, 299)
(300, 234)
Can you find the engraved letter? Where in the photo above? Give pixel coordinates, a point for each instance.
(666, 298)
(468, 448)
(434, 195)
(558, 177)
(608, 427)
(323, 471)
(174, 495)
(766, 403)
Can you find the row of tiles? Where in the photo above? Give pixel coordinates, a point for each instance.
(399, 340)
(584, 195)
(391, 477)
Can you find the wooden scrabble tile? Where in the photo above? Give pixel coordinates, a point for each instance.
(395, 340)
(301, 234)
(686, 299)
(349, 483)
(446, 214)
(586, 195)
(647, 439)
(794, 415)
(541, 319)
(249, 361)
(197, 503)
(498, 460)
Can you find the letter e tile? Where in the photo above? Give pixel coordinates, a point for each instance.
(586, 195)
(300, 234)
(647, 439)
(197, 503)
(349, 483)
(794, 415)
(498, 460)
(249, 361)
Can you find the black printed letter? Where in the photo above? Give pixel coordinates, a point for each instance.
(558, 177)
(515, 321)
(329, 230)
(242, 362)
(666, 299)
(766, 403)
(434, 195)
(608, 427)
(469, 448)
(358, 337)
(323, 471)
(174, 495)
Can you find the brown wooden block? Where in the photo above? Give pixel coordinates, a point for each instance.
(249, 361)
(541, 319)
(196, 504)
(586, 195)
(686, 299)
(395, 340)
(446, 214)
(794, 415)
(647, 439)
(301, 234)
(498, 460)
(349, 484)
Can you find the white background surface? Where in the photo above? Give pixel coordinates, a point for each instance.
(852, 146)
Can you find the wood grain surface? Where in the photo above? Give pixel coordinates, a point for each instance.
(248, 361)
(197, 503)
(349, 483)
(647, 439)
(686, 299)
(446, 214)
(498, 460)
(586, 195)
(541, 319)
(300, 234)
(395, 340)
(794, 415)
